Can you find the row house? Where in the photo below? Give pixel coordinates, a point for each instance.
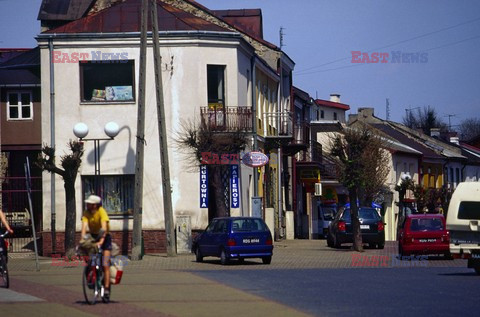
(313, 165)
(20, 127)
(216, 69)
(431, 162)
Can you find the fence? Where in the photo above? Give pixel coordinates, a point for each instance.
(16, 208)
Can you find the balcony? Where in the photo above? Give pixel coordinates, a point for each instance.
(277, 125)
(227, 119)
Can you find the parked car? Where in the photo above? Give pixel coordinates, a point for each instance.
(326, 213)
(371, 226)
(423, 234)
(463, 223)
(234, 238)
(19, 221)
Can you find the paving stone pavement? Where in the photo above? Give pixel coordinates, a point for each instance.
(167, 286)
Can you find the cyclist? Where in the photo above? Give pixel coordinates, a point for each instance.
(5, 222)
(96, 218)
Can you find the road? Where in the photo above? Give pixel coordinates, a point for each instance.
(306, 278)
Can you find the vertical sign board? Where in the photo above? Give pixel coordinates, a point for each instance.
(203, 186)
(234, 190)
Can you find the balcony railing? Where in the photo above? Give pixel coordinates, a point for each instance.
(227, 119)
(278, 124)
(301, 132)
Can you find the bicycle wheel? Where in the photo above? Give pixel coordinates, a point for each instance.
(101, 277)
(90, 285)
(4, 280)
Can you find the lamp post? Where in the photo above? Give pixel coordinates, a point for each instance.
(81, 131)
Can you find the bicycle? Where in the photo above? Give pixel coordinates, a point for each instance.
(4, 279)
(93, 279)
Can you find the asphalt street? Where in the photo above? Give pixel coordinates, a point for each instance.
(363, 292)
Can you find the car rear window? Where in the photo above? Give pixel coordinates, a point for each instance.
(364, 213)
(246, 225)
(469, 210)
(429, 224)
(328, 213)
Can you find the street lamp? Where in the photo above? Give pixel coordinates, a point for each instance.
(81, 131)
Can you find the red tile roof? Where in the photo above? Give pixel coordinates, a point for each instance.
(126, 17)
(331, 104)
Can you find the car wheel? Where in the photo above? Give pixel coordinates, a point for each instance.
(336, 244)
(198, 255)
(267, 259)
(372, 245)
(381, 245)
(223, 257)
(477, 269)
(241, 260)
(329, 241)
(448, 256)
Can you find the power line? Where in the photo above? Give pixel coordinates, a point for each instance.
(399, 42)
(360, 64)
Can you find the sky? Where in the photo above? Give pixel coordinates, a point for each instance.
(320, 36)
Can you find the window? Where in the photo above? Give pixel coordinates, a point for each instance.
(107, 82)
(19, 105)
(334, 116)
(216, 85)
(322, 114)
(116, 192)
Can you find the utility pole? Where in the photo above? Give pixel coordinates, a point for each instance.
(137, 252)
(281, 37)
(449, 120)
(162, 135)
(388, 110)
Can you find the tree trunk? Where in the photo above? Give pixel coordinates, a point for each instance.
(218, 189)
(357, 234)
(70, 218)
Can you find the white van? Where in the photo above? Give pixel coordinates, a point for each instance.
(463, 223)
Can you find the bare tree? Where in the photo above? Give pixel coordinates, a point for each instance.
(70, 163)
(197, 140)
(425, 118)
(469, 129)
(362, 164)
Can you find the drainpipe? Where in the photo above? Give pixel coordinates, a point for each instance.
(52, 144)
(254, 123)
(279, 158)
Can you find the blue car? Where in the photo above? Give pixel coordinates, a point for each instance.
(235, 238)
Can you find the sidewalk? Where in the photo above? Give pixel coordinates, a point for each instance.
(168, 286)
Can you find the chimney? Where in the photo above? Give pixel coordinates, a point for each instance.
(435, 133)
(455, 140)
(366, 112)
(335, 98)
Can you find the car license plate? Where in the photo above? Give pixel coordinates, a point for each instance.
(427, 240)
(364, 227)
(251, 240)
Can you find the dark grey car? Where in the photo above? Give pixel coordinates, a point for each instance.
(371, 226)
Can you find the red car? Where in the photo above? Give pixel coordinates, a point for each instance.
(423, 234)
